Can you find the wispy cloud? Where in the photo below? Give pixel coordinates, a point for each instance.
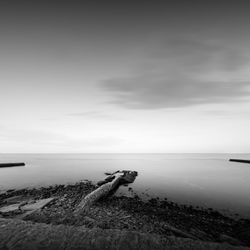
(95, 115)
(183, 72)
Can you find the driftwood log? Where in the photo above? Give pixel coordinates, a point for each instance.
(23, 235)
(106, 187)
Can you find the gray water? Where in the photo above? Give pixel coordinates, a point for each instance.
(207, 180)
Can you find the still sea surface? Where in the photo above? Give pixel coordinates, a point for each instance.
(207, 180)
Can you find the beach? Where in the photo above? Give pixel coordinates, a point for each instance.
(155, 216)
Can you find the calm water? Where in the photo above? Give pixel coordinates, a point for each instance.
(208, 180)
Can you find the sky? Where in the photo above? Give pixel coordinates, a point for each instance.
(125, 76)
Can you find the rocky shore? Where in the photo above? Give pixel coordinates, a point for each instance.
(155, 216)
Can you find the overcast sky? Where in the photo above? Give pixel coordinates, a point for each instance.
(125, 76)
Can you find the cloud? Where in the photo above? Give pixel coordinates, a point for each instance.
(181, 73)
(141, 92)
(198, 54)
(236, 114)
(95, 115)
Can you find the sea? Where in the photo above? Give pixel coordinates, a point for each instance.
(204, 180)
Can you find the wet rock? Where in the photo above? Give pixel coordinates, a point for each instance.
(37, 204)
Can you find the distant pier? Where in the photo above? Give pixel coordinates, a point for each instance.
(9, 165)
(240, 160)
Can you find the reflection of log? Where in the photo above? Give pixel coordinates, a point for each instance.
(18, 234)
(239, 160)
(109, 186)
(8, 165)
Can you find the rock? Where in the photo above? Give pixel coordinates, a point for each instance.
(17, 234)
(244, 234)
(13, 199)
(28, 206)
(9, 208)
(37, 204)
(199, 234)
(10, 190)
(89, 220)
(177, 231)
(230, 240)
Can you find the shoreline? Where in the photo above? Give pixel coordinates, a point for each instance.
(129, 192)
(129, 213)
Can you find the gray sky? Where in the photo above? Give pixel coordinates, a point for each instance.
(125, 76)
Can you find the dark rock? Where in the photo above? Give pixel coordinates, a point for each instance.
(243, 231)
(230, 240)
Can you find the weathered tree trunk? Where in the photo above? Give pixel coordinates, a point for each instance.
(101, 191)
(22, 235)
(109, 186)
